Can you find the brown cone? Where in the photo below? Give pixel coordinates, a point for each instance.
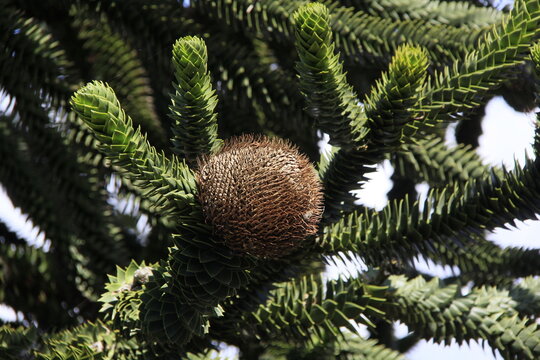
(260, 195)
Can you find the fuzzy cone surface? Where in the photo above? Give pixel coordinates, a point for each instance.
(262, 197)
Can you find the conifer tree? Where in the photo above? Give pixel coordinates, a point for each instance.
(202, 120)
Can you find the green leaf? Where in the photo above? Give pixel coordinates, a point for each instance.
(126, 147)
(194, 102)
(330, 99)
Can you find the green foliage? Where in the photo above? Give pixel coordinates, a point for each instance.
(25, 176)
(392, 121)
(499, 265)
(404, 228)
(122, 299)
(457, 13)
(435, 310)
(16, 342)
(350, 348)
(29, 282)
(430, 160)
(195, 127)
(171, 180)
(363, 38)
(117, 63)
(389, 106)
(92, 169)
(331, 101)
(466, 83)
(306, 306)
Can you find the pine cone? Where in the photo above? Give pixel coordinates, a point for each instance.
(262, 197)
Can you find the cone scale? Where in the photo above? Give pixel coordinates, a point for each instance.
(260, 195)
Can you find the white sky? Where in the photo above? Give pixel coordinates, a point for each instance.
(507, 134)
